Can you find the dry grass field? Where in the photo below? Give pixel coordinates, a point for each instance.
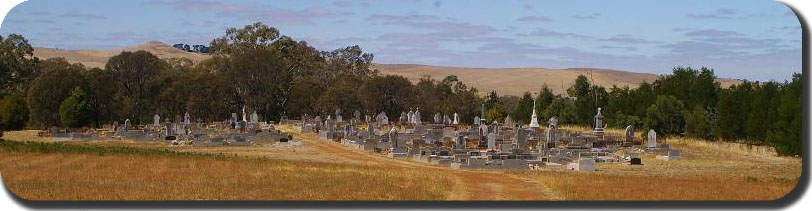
(505, 81)
(323, 170)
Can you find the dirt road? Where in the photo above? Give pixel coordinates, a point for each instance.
(469, 184)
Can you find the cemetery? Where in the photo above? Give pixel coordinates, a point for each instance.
(444, 141)
(183, 131)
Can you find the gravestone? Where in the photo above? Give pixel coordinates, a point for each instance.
(127, 125)
(509, 121)
(417, 117)
(552, 135)
(629, 133)
(534, 122)
(404, 118)
(169, 128)
(599, 127)
(460, 142)
(491, 142)
(652, 139)
(254, 117)
(521, 138)
(446, 119)
(156, 120)
(636, 161)
(367, 119)
(393, 138)
(456, 119)
(553, 121)
(357, 115)
(186, 119)
(382, 119)
(476, 120)
(410, 117)
(339, 118)
(438, 119)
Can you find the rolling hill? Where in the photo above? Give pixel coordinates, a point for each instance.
(505, 81)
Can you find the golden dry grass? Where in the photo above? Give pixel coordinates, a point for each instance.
(608, 186)
(58, 176)
(324, 170)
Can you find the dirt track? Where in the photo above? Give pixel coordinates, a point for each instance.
(470, 184)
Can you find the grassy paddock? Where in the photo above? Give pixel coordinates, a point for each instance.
(600, 186)
(38, 171)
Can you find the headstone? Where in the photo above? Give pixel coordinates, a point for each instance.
(186, 119)
(393, 138)
(156, 120)
(460, 142)
(339, 118)
(127, 125)
(254, 117)
(599, 127)
(357, 115)
(652, 139)
(417, 117)
(438, 119)
(410, 117)
(534, 122)
(491, 142)
(446, 119)
(169, 128)
(629, 133)
(521, 138)
(456, 119)
(404, 118)
(233, 118)
(553, 121)
(476, 120)
(367, 119)
(382, 119)
(509, 121)
(552, 135)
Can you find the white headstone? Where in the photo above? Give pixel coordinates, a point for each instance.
(652, 139)
(534, 121)
(186, 119)
(156, 120)
(456, 119)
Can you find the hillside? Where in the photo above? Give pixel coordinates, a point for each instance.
(515, 81)
(97, 58)
(505, 81)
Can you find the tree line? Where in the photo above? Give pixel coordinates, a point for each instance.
(258, 68)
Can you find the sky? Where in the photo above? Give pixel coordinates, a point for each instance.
(742, 39)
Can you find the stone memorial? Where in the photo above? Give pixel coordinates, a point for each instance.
(652, 139)
(156, 120)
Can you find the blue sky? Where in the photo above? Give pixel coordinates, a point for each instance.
(750, 39)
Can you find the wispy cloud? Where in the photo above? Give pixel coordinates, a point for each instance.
(587, 16)
(722, 13)
(627, 39)
(535, 18)
(541, 32)
(83, 16)
(342, 3)
(249, 10)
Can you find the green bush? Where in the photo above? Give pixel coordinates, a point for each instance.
(13, 112)
(75, 110)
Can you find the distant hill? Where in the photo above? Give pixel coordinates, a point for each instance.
(505, 81)
(97, 58)
(515, 81)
